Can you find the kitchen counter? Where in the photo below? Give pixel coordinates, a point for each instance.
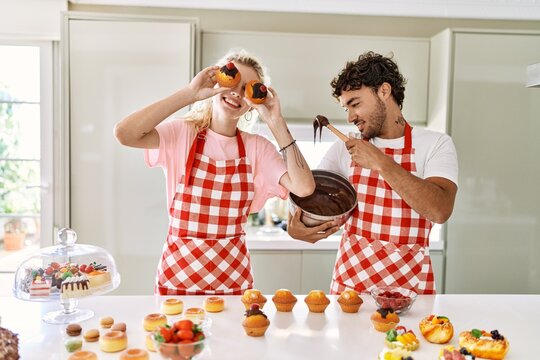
(295, 335)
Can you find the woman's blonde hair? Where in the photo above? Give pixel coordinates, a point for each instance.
(200, 113)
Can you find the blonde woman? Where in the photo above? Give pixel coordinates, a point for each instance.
(216, 176)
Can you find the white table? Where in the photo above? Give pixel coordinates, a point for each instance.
(296, 335)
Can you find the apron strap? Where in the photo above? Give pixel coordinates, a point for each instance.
(408, 136)
(241, 148)
(196, 148)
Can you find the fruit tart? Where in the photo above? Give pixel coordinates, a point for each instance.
(437, 329)
(400, 337)
(483, 344)
(395, 354)
(451, 353)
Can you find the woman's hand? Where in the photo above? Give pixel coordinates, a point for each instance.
(270, 110)
(299, 231)
(203, 85)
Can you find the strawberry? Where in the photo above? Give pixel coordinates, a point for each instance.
(82, 268)
(89, 269)
(230, 66)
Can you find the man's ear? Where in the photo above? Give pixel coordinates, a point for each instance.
(385, 91)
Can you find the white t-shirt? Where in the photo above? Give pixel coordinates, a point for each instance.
(435, 155)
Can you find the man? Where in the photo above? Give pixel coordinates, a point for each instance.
(405, 178)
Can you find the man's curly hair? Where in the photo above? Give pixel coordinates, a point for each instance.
(370, 70)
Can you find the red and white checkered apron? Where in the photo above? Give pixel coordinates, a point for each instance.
(385, 241)
(205, 252)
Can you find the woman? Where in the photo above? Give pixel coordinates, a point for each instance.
(216, 176)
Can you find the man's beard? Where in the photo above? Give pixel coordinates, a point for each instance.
(376, 121)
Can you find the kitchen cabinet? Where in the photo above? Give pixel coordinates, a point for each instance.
(301, 67)
(493, 235)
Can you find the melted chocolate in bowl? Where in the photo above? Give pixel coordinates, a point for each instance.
(334, 198)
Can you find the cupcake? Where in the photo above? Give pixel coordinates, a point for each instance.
(256, 322)
(253, 296)
(350, 301)
(384, 319)
(284, 300)
(316, 301)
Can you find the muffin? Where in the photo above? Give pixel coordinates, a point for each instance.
(228, 75)
(253, 296)
(350, 301)
(256, 92)
(284, 300)
(256, 322)
(384, 319)
(317, 301)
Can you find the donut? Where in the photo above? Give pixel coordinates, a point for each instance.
(149, 342)
(437, 329)
(113, 341)
(134, 354)
(214, 304)
(483, 344)
(195, 314)
(256, 92)
(172, 306)
(83, 355)
(152, 321)
(228, 75)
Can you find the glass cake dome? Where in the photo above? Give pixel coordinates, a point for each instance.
(65, 273)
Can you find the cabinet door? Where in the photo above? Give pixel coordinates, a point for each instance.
(116, 66)
(493, 232)
(437, 263)
(317, 268)
(274, 270)
(301, 67)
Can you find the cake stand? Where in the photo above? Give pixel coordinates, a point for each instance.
(64, 273)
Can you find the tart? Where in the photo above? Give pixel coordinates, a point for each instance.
(255, 322)
(317, 301)
(395, 354)
(451, 353)
(284, 300)
(350, 301)
(437, 329)
(384, 319)
(483, 344)
(400, 337)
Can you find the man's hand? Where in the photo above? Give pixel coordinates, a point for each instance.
(299, 231)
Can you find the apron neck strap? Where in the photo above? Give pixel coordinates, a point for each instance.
(408, 136)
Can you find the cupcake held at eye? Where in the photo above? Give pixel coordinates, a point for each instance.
(255, 322)
(256, 92)
(284, 300)
(228, 75)
(350, 301)
(317, 301)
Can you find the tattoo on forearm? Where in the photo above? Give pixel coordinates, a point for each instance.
(298, 158)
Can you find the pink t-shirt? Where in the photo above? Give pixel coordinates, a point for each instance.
(175, 140)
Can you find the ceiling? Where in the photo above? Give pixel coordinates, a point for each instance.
(463, 9)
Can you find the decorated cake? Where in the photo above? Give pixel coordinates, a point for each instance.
(75, 286)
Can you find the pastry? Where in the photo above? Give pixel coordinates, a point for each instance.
(401, 338)
(134, 354)
(9, 344)
(172, 306)
(214, 304)
(256, 92)
(75, 286)
(228, 75)
(113, 341)
(195, 314)
(255, 322)
(253, 296)
(106, 322)
(451, 353)
(152, 321)
(83, 355)
(40, 288)
(99, 279)
(350, 301)
(395, 354)
(73, 345)
(284, 300)
(384, 319)
(119, 327)
(317, 301)
(91, 335)
(437, 329)
(483, 344)
(149, 342)
(73, 329)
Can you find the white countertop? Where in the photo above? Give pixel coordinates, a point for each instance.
(296, 335)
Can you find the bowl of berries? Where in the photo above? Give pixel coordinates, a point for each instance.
(398, 299)
(183, 340)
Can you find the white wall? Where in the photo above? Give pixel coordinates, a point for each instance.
(31, 19)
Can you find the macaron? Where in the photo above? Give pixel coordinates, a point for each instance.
(73, 329)
(106, 322)
(119, 327)
(91, 335)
